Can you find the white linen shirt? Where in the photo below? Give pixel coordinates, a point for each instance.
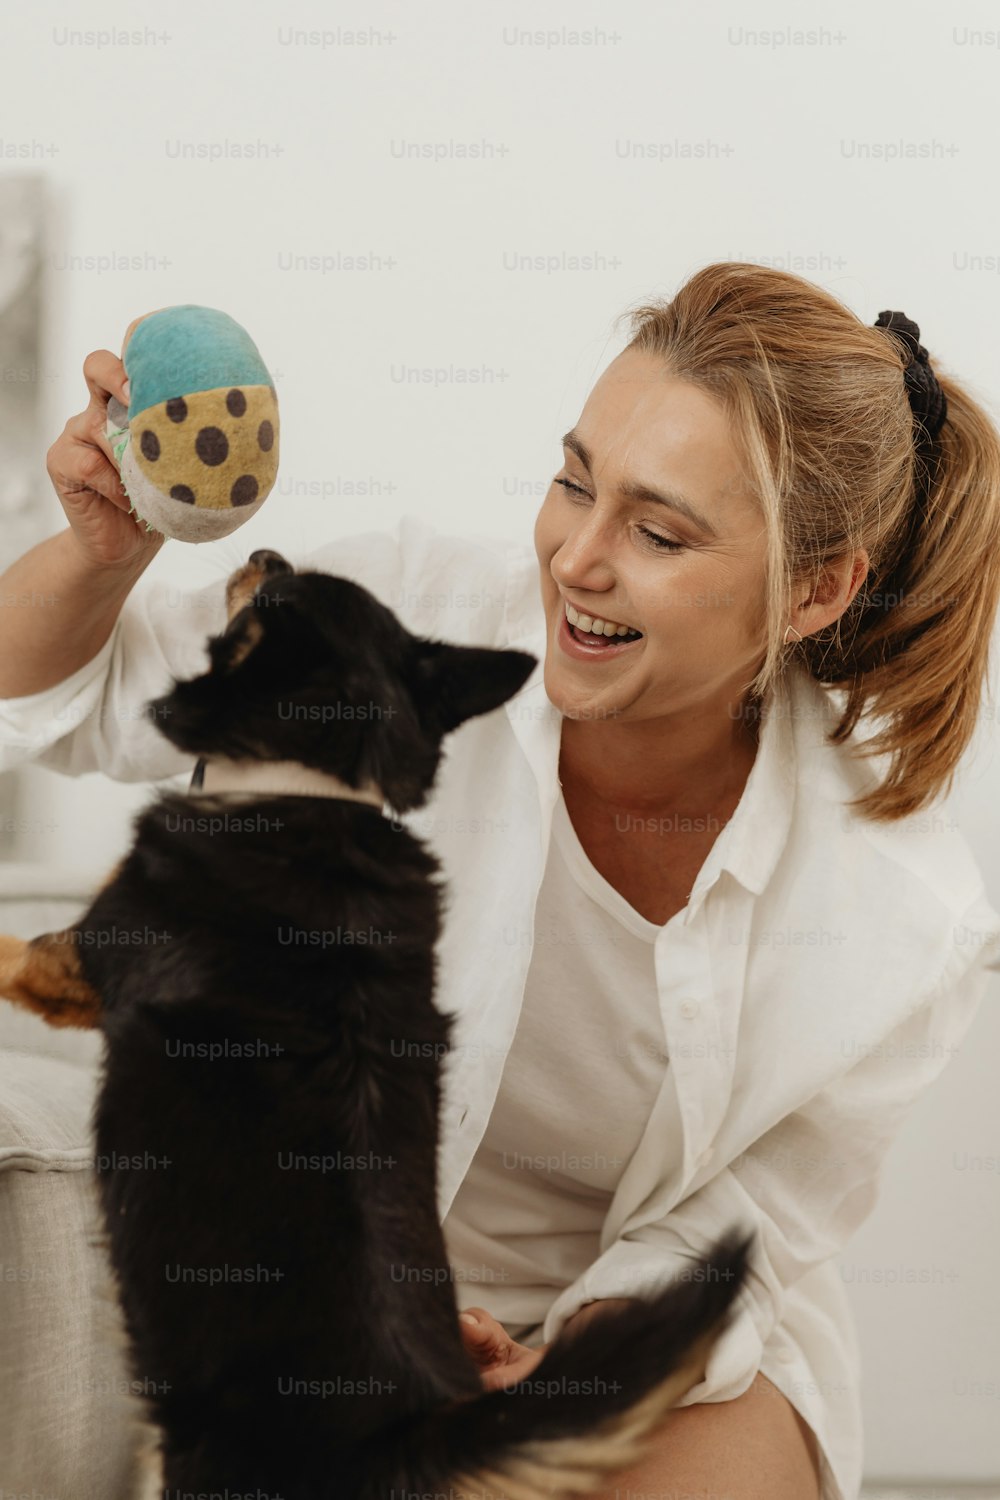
(820, 977)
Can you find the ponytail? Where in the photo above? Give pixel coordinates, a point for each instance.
(917, 649)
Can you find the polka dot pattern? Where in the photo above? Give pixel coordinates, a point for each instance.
(244, 491)
(216, 450)
(212, 446)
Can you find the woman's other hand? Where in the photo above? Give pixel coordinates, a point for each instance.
(501, 1361)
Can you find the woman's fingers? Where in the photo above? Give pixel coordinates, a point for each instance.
(81, 465)
(500, 1360)
(105, 376)
(483, 1336)
(79, 462)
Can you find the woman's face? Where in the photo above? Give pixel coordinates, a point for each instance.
(692, 584)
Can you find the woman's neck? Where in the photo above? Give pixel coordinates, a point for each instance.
(685, 765)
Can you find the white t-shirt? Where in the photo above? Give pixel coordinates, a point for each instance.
(578, 1085)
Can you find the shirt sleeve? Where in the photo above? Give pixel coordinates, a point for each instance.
(93, 720)
(805, 1186)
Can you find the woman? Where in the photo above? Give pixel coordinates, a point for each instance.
(761, 496)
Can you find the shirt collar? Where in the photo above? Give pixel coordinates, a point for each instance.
(750, 845)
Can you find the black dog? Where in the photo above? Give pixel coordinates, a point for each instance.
(267, 1121)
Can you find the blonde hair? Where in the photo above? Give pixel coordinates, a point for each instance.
(823, 422)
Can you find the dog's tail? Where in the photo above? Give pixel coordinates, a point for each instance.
(590, 1407)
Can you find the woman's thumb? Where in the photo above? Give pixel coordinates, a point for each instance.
(478, 1329)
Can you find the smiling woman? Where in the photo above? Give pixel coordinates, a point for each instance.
(750, 468)
(758, 486)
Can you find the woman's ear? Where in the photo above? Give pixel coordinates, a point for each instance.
(832, 591)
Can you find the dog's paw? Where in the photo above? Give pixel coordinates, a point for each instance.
(44, 975)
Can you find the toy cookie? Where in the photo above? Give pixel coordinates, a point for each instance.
(197, 448)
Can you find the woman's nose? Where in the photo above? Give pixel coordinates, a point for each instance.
(581, 562)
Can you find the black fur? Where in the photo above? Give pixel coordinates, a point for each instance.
(335, 1367)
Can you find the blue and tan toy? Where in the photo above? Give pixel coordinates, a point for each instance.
(197, 448)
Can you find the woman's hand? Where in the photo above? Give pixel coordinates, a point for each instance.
(81, 467)
(501, 1361)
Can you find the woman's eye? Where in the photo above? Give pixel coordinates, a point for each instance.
(574, 487)
(661, 542)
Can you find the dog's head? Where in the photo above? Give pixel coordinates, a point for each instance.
(313, 668)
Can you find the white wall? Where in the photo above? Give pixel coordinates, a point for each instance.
(779, 179)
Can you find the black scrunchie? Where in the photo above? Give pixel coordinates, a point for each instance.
(927, 399)
(929, 408)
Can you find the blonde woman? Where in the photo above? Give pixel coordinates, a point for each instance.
(697, 910)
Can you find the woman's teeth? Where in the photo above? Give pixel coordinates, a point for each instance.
(599, 627)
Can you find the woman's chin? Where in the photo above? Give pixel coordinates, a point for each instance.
(570, 700)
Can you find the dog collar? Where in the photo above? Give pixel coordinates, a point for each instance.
(283, 778)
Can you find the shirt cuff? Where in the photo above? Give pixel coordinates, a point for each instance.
(32, 722)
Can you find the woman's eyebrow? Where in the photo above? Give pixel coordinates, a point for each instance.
(632, 490)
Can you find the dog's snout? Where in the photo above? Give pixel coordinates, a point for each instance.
(271, 562)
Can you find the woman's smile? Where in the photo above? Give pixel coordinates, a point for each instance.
(582, 645)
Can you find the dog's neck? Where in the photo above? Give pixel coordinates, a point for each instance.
(282, 778)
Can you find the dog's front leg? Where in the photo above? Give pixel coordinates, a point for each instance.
(44, 975)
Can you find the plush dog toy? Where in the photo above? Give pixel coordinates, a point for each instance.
(197, 447)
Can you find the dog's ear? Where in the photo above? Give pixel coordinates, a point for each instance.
(453, 683)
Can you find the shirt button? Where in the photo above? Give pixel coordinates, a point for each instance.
(787, 1356)
(706, 1156)
(690, 1007)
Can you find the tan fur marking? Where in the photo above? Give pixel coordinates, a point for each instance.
(569, 1468)
(241, 586)
(240, 589)
(252, 632)
(43, 975)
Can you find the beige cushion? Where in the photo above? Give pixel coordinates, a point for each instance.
(67, 1418)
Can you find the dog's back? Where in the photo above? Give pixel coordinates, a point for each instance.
(274, 1067)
